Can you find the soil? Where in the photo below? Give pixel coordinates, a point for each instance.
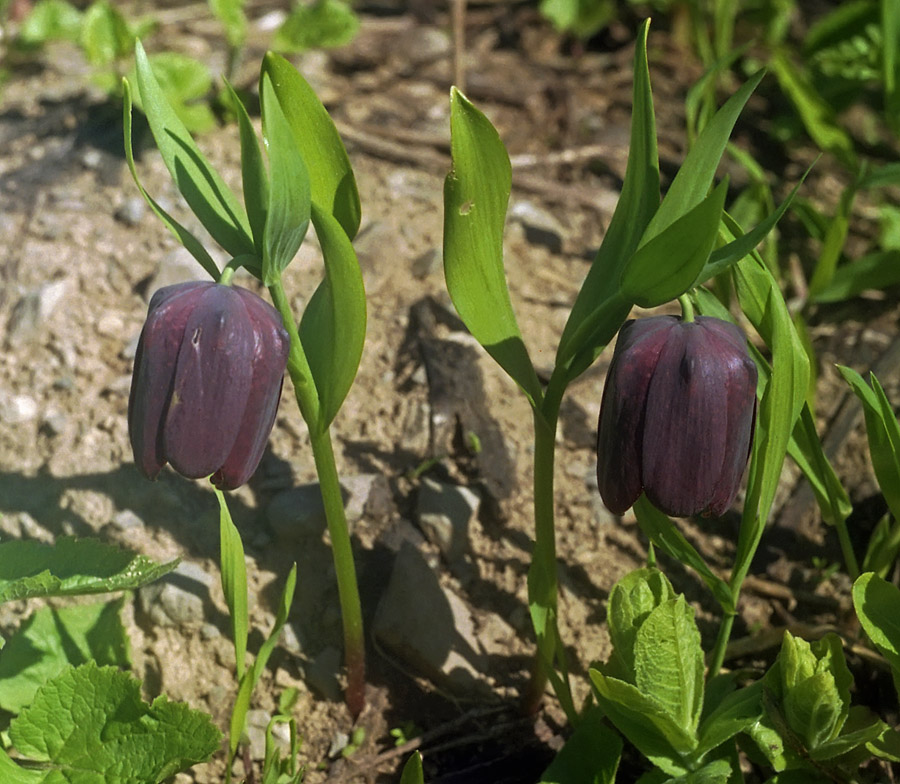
(65, 463)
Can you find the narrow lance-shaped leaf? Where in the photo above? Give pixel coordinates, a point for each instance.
(234, 582)
(476, 193)
(331, 180)
(287, 218)
(190, 242)
(637, 203)
(205, 191)
(333, 327)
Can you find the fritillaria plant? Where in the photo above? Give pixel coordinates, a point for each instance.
(209, 368)
(653, 252)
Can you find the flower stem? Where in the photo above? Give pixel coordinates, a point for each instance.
(329, 485)
(342, 552)
(687, 308)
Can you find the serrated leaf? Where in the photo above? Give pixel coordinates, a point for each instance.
(668, 264)
(71, 567)
(216, 207)
(52, 639)
(288, 214)
(476, 194)
(333, 327)
(812, 708)
(668, 662)
(644, 722)
(185, 237)
(331, 180)
(91, 725)
(590, 756)
(715, 772)
(637, 203)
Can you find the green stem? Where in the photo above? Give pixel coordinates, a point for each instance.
(847, 548)
(687, 308)
(342, 553)
(717, 656)
(542, 578)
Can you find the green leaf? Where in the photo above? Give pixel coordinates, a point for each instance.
(694, 178)
(815, 114)
(91, 726)
(412, 770)
(716, 772)
(186, 84)
(190, 242)
(331, 180)
(205, 191)
(877, 604)
(234, 581)
(668, 662)
(287, 219)
(333, 327)
(645, 723)
(812, 709)
(583, 18)
(867, 728)
(883, 433)
(10, 773)
(52, 639)
(72, 567)
(637, 203)
(105, 35)
(631, 600)
(668, 264)
(231, 14)
(590, 756)
(665, 535)
(50, 20)
(879, 270)
(321, 24)
(734, 714)
(883, 546)
(476, 193)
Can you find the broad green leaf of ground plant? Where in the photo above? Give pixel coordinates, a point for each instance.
(645, 723)
(583, 18)
(288, 203)
(90, 725)
(665, 266)
(877, 605)
(231, 14)
(631, 600)
(234, 582)
(668, 662)
(11, 773)
(185, 237)
(333, 327)
(72, 567)
(476, 194)
(105, 34)
(591, 754)
(54, 638)
(50, 20)
(586, 334)
(323, 24)
(665, 535)
(734, 714)
(412, 770)
(211, 200)
(883, 433)
(331, 180)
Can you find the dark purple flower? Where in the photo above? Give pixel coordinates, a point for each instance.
(207, 379)
(677, 416)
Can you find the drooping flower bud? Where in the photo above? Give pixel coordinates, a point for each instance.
(677, 416)
(207, 380)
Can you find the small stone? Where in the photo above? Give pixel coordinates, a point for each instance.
(296, 514)
(31, 312)
(541, 227)
(179, 598)
(429, 627)
(91, 159)
(130, 349)
(367, 495)
(321, 675)
(179, 266)
(430, 261)
(127, 520)
(444, 513)
(131, 212)
(339, 742)
(209, 631)
(257, 721)
(290, 640)
(53, 423)
(18, 409)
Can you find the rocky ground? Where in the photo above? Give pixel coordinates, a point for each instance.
(442, 533)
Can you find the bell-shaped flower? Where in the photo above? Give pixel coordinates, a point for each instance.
(207, 380)
(677, 416)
